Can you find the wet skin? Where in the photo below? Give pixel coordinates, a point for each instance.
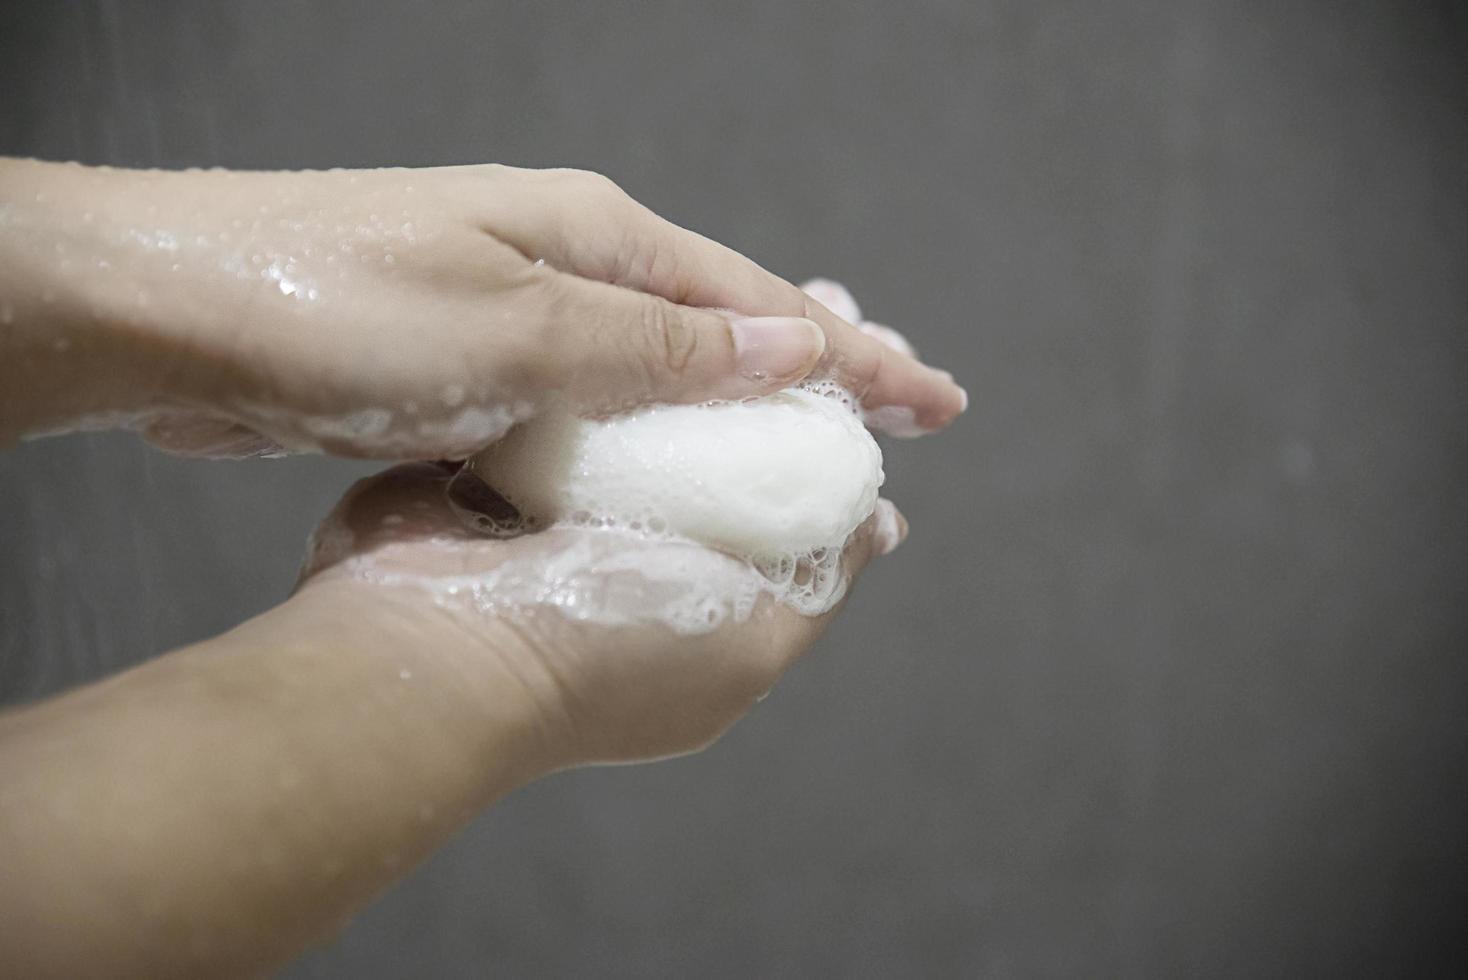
(215, 810)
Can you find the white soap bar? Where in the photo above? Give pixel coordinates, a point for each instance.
(780, 477)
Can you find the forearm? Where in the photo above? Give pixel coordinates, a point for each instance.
(110, 308)
(67, 353)
(217, 809)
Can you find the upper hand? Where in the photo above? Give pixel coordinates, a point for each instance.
(418, 313)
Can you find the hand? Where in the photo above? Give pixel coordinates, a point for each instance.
(603, 693)
(396, 313)
(216, 809)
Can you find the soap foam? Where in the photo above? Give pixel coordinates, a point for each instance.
(608, 577)
(787, 474)
(769, 489)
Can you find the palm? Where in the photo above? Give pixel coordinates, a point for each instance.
(565, 610)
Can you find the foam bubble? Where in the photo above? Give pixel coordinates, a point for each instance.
(610, 578)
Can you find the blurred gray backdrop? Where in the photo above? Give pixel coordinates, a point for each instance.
(1169, 679)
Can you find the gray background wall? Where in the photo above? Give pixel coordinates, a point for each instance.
(1169, 678)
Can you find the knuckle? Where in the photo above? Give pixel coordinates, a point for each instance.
(598, 185)
(863, 364)
(792, 297)
(534, 357)
(669, 341)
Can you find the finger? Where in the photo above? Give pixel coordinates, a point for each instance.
(904, 396)
(884, 334)
(791, 634)
(880, 534)
(404, 500)
(482, 507)
(834, 297)
(838, 299)
(632, 247)
(612, 347)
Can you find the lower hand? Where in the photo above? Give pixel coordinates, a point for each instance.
(602, 693)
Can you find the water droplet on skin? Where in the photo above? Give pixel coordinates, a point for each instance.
(389, 258)
(405, 674)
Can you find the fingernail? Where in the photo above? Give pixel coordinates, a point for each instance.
(776, 347)
(897, 421)
(480, 506)
(947, 378)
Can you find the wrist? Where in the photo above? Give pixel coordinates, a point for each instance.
(256, 788)
(77, 319)
(466, 690)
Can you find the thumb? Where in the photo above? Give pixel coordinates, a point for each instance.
(614, 347)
